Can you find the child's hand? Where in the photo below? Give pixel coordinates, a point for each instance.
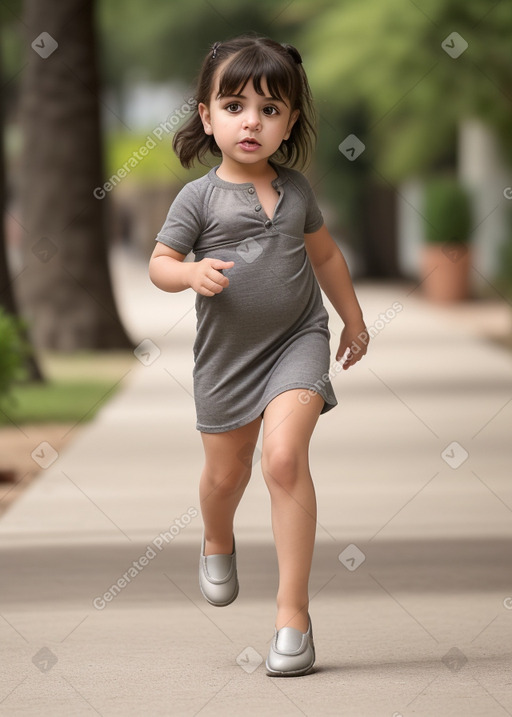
(206, 278)
(355, 339)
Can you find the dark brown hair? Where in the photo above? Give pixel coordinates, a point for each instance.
(253, 58)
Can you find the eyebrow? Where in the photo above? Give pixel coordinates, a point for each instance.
(243, 97)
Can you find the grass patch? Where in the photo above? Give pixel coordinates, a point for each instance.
(77, 386)
(55, 402)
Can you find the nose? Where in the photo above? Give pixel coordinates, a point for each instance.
(251, 120)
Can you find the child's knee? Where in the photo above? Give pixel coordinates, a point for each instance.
(282, 465)
(227, 479)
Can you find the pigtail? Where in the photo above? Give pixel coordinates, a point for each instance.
(191, 143)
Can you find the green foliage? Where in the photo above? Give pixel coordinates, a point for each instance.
(167, 39)
(158, 164)
(13, 352)
(77, 386)
(447, 212)
(12, 50)
(388, 58)
(60, 401)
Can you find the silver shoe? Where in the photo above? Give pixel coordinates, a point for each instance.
(218, 579)
(292, 652)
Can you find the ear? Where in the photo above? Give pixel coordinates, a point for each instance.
(204, 114)
(293, 118)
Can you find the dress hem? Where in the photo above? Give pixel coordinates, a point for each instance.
(328, 405)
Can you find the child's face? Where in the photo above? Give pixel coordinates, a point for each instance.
(236, 120)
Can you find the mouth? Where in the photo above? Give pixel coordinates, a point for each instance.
(249, 144)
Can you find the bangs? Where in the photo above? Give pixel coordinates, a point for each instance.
(254, 65)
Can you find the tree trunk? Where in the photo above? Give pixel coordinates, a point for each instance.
(6, 294)
(7, 302)
(379, 232)
(65, 290)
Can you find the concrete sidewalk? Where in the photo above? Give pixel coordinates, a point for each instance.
(412, 579)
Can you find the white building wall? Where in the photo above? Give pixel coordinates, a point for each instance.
(483, 172)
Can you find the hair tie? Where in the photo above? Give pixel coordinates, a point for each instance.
(291, 50)
(214, 50)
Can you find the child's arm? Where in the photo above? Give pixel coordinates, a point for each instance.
(169, 272)
(333, 276)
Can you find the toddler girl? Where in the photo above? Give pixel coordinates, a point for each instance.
(261, 353)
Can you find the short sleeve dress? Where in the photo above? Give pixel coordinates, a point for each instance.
(267, 332)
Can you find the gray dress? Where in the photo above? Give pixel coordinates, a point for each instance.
(267, 331)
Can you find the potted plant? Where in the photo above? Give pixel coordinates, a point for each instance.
(446, 260)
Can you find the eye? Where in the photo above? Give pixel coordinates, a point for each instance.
(270, 110)
(233, 107)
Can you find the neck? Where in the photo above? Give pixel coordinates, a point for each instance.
(236, 172)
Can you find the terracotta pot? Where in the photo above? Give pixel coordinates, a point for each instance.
(445, 272)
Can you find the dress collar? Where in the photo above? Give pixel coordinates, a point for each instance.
(218, 182)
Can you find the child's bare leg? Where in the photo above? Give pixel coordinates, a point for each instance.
(288, 425)
(225, 476)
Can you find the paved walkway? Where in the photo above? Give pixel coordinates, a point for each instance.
(412, 579)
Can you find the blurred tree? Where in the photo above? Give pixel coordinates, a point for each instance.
(394, 75)
(377, 70)
(7, 300)
(165, 41)
(179, 35)
(65, 291)
(389, 58)
(6, 293)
